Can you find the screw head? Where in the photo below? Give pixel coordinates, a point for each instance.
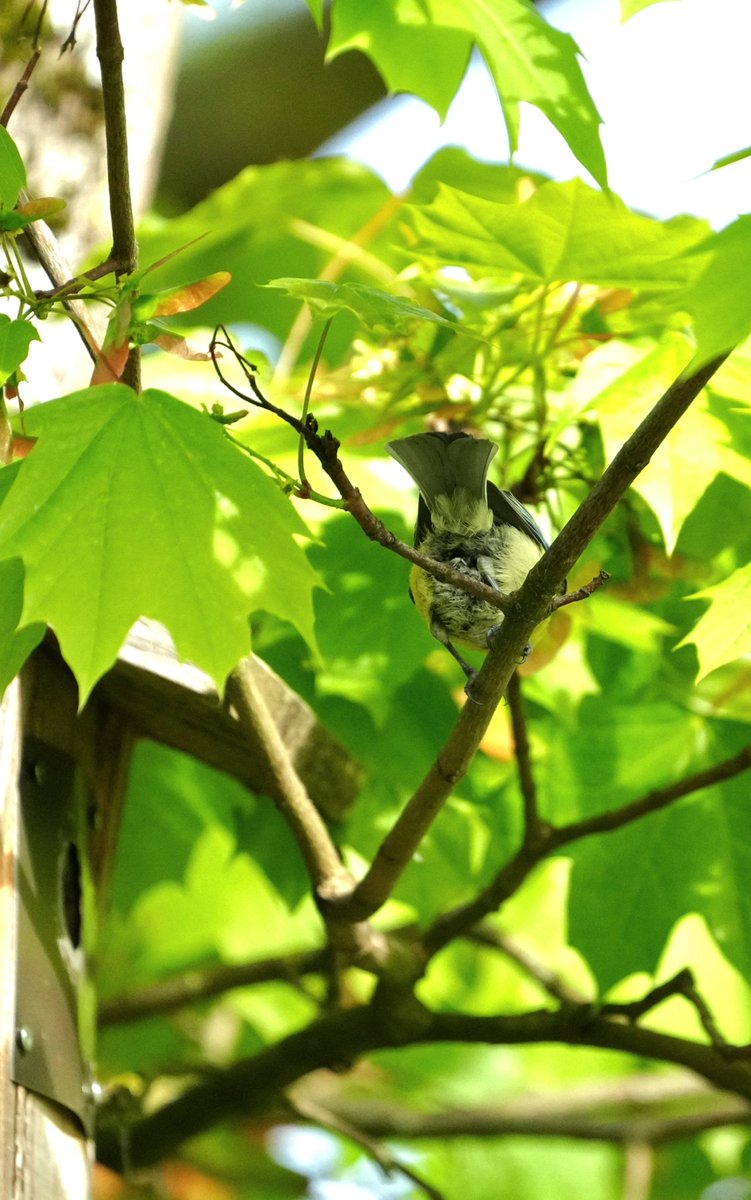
(24, 1039)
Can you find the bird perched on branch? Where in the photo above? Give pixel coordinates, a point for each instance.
(471, 525)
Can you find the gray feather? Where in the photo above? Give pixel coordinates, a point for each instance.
(440, 463)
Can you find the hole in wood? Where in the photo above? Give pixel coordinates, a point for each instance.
(72, 894)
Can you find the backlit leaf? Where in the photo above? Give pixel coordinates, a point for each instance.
(719, 300)
(564, 231)
(180, 299)
(34, 210)
(376, 309)
(15, 339)
(723, 633)
(531, 61)
(12, 170)
(136, 505)
(629, 8)
(412, 53)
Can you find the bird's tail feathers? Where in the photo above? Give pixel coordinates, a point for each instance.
(442, 463)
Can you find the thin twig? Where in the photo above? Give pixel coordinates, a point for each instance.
(512, 875)
(204, 983)
(582, 593)
(653, 801)
(485, 934)
(200, 984)
(20, 88)
(109, 50)
(70, 41)
(329, 877)
(681, 984)
(311, 1111)
(55, 265)
(325, 447)
(284, 785)
(649, 1107)
(306, 400)
(73, 285)
(523, 757)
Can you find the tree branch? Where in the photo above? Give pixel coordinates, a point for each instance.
(284, 785)
(530, 605)
(253, 1085)
(109, 50)
(311, 1110)
(329, 877)
(650, 1108)
(523, 757)
(20, 88)
(549, 839)
(582, 593)
(192, 987)
(57, 269)
(486, 935)
(681, 984)
(653, 801)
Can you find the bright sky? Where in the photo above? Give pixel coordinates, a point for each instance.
(672, 85)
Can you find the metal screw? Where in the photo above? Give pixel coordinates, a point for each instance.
(24, 1039)
(92, 1090)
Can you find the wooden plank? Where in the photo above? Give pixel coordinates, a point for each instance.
(44, 1152)
(10, 759)
(173, 702)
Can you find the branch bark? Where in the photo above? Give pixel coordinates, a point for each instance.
(528, 607)
(110, 53)
(336, 1040)
(329, 877)
(653, 1109)
(509, 879)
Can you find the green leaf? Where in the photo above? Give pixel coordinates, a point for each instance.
(598, 744)
(723, 634)
(529, 60)
(265, 223)
(136, 505)
(412, 53)
(316, 9)
(193, 796)
(629, 8)
(366, 661)
(693, 453)
(728, 159)
(680, 1170)
(693, 856)
(533, 62)
(530, 1169)
(12, 170)
(645, 866)
(565, 231)
(719, 300)
(377, 309)
(26, 214)
(15, 644)
(15, 339)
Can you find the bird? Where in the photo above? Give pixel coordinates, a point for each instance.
(471, 525)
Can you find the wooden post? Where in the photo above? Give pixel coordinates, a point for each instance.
(45, 1094)
(63, 776)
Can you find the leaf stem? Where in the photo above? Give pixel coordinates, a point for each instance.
(306, 402)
